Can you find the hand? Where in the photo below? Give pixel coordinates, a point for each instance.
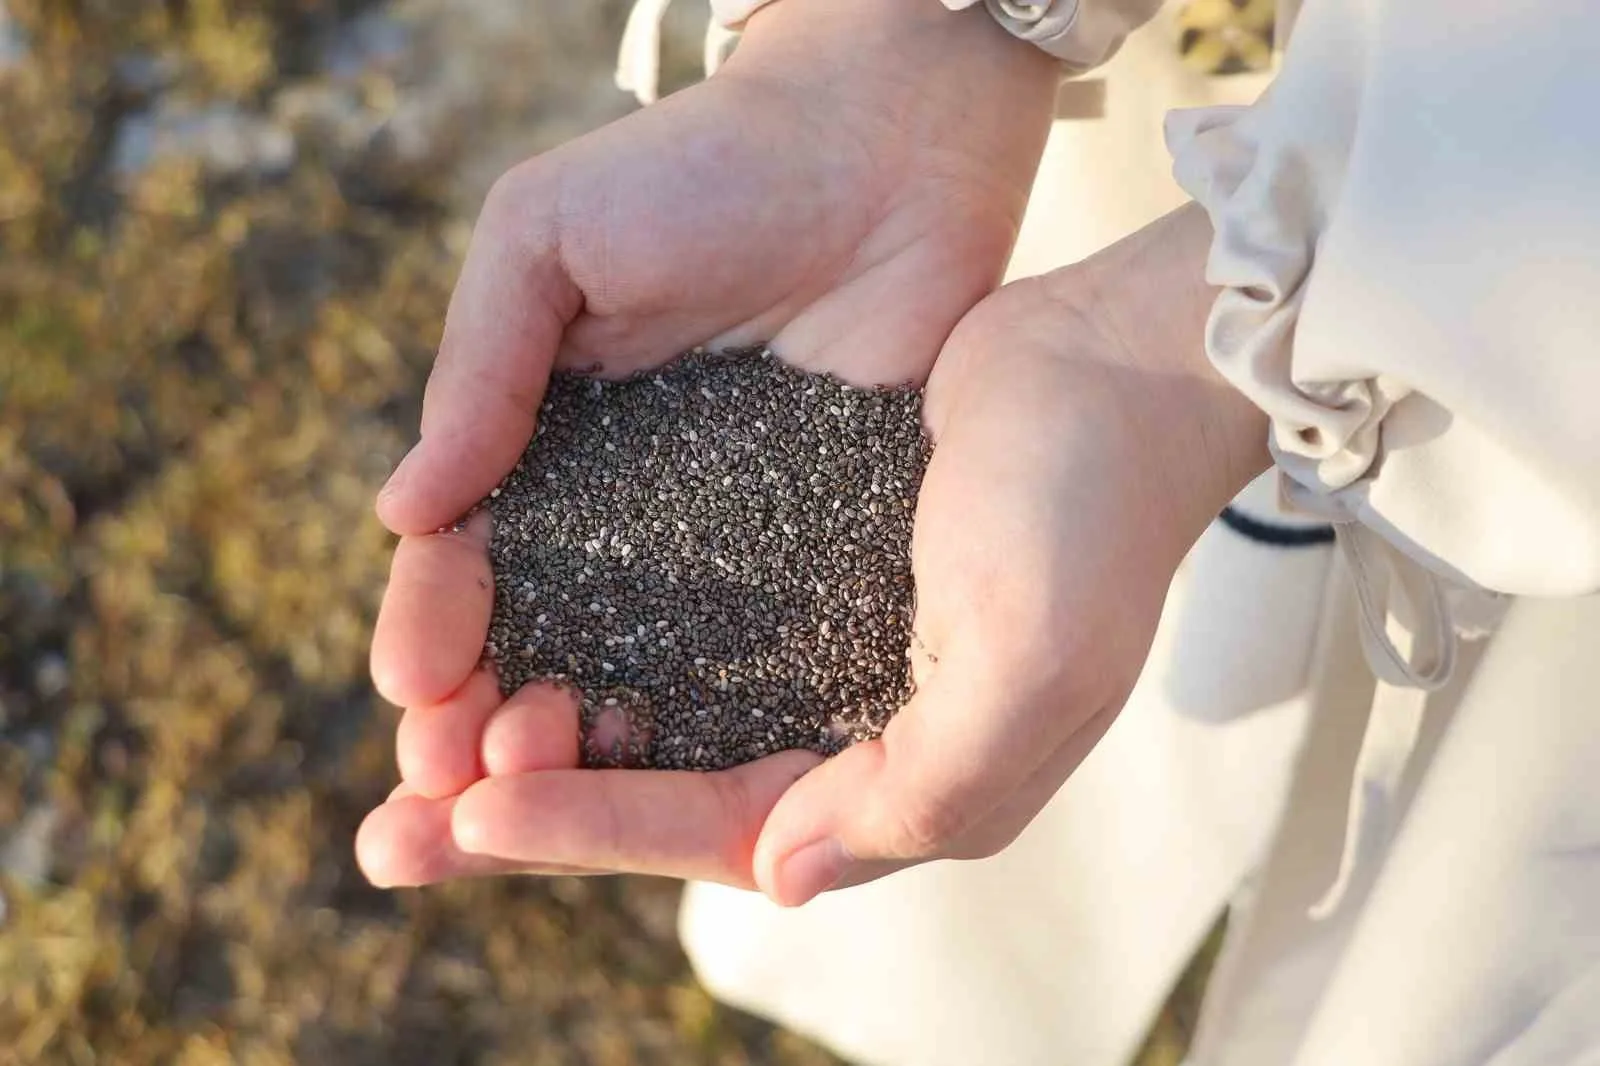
(1083, 443)
(848, 186)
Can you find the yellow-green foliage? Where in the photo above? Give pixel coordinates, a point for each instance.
(200, 389)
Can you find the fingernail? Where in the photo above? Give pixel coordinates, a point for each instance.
(397, 479)
(811, 871)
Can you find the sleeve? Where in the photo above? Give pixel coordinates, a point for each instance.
(1407, 243)
(1081, 33)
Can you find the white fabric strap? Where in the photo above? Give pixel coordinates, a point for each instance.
(1411, 639)
(732, 13)
(1081, 33)
(639, 54)
(1394, 590)
(718, 40)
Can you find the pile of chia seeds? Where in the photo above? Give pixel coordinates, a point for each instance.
(719, 552)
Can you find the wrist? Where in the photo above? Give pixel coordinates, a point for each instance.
(916, 71)
(1147, 301)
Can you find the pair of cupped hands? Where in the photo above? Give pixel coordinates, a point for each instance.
(848, 187)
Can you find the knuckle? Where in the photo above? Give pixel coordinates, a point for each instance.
(504, 386)
(507, 195)
(519, 209)
(735, 808)
(611, 828)
(930, 827)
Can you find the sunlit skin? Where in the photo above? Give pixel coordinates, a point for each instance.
(1083, 442)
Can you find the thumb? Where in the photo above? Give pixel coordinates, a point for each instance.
(951, 757)
(509, 309)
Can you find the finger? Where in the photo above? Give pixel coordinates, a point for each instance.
(700, 826)
(945, 763)
(501, 332)
(407, 842)
(435, 615)
(444, 748)
(536, 729)
(437, 745)
(996, 832)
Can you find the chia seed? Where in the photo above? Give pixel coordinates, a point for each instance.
(755, 520)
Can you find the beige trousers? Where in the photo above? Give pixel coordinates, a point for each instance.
(1471, 939)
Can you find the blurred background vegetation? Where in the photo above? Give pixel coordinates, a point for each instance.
(227, 233)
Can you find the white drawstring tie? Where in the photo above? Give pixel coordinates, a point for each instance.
(639, 54)
(1411, 628)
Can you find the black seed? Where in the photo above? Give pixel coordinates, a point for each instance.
(735, 536)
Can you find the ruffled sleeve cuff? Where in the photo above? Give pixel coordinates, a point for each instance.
(1081, 33)
(1326, 436)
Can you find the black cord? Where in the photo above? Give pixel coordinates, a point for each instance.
(1274, 535)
